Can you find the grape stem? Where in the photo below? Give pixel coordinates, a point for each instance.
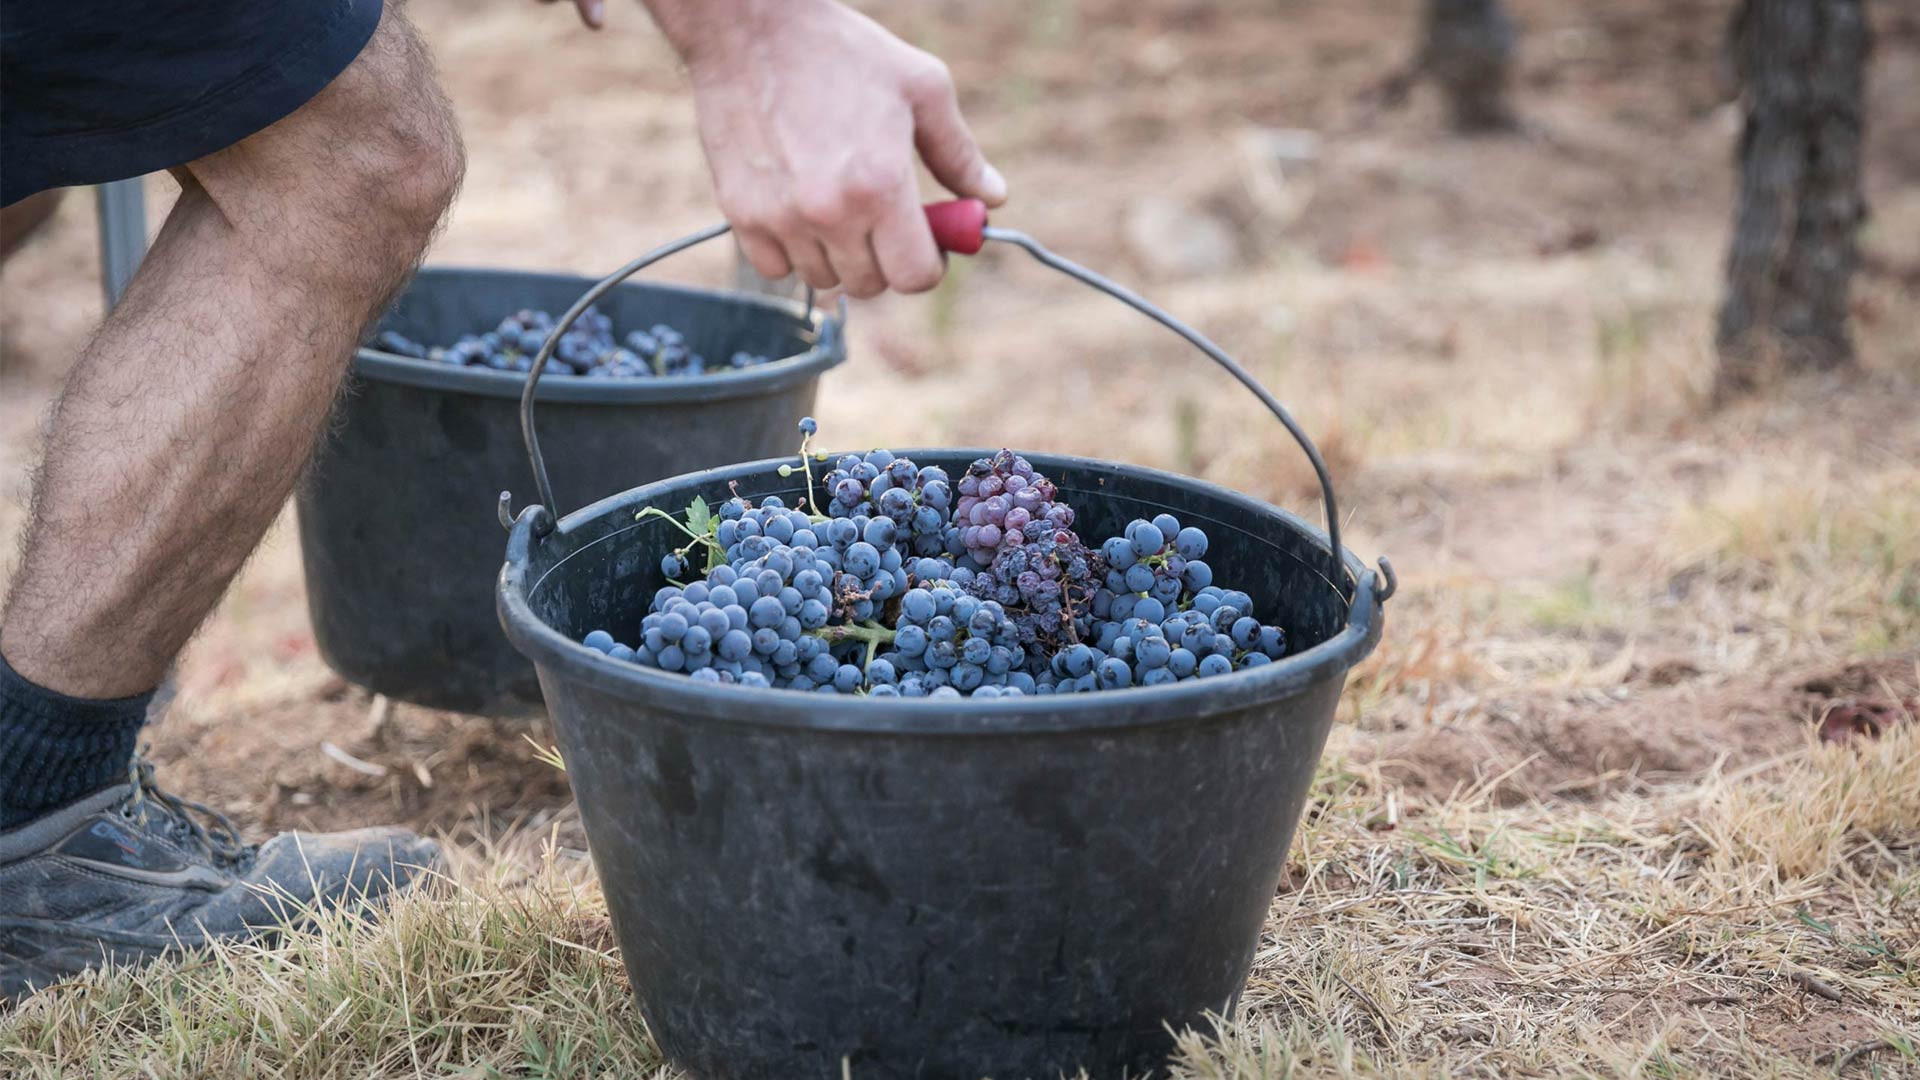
(654, 511)
(806, 467)
(1066, 604)
(698, 538)
(867, 631)
(872, 633)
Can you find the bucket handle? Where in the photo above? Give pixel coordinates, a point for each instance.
(959, 226)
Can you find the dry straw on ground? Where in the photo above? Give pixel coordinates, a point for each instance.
(1760, 924)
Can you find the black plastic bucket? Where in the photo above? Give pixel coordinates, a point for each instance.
(399, 529)
(944, 890)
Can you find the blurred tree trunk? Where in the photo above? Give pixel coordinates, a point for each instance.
(1800, 64)
(1468, 53)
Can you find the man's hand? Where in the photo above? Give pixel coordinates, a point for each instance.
(811, 115)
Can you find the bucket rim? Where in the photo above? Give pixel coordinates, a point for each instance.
(557, 655)
(377, 365)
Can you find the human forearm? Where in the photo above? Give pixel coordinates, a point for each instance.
(699, 29)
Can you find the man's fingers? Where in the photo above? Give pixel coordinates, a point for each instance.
(903, 246)
(854, 265)
(941, 135)
(764, 253)
(810, 262)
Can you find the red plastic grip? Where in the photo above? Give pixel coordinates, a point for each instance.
(958, 225)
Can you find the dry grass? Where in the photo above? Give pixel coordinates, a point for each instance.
(1821, 558)
(1848, 814)
(1696, 932)
(510, 973)
(1673, 935)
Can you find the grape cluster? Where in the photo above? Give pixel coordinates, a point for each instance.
(1000, 497)
(948, 643)
(857, 559)
(1150, 567)
(879, 487)
(894, 587)
(588, 349)
(748, 622)
(1017, 533)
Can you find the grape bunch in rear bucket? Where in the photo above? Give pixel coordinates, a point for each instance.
(589, 349)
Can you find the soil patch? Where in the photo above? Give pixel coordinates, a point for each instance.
(339, 759)
(1668, 723)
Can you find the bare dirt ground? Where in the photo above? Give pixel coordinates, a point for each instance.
(1613, 601)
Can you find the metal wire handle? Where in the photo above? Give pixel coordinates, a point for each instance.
(953, 241)
(1213, 352)
(587, 300)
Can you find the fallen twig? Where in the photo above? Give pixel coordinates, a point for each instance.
(365, 768)
(1840, 1063)
(377, 716)
(1813, 984)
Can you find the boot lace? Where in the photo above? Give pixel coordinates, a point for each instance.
(183, 819)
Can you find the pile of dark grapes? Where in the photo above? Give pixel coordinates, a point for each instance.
(588, 349)
(902, 582)
(1019, 543)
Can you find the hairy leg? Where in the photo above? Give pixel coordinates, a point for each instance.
(191, 414)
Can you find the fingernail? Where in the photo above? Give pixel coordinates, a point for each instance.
(993, 186)
(597, 12)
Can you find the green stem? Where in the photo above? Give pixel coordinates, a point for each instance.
(807, 467)
(654, 511)
(872, 633)
(712, 544)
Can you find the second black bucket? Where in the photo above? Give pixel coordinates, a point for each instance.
(398, 530)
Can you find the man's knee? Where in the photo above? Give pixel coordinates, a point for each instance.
(405, 183)
(407, 161)
(362, 173)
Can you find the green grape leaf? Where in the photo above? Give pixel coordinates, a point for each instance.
(706, 530)
(699, 518)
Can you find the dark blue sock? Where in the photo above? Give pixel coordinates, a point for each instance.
(55, 749)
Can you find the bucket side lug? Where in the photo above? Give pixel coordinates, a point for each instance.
(529, 528)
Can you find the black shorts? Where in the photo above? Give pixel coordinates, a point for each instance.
(98, 90)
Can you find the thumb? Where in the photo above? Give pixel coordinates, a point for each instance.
(592, 12)
(941, 136)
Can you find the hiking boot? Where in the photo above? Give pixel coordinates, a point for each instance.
(131, 873)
